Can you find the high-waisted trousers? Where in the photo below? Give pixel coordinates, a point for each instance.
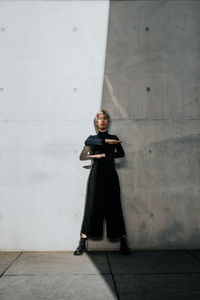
(103, 201)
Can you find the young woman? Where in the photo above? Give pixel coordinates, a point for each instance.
(103, 193)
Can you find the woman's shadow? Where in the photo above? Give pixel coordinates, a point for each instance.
(87, 150)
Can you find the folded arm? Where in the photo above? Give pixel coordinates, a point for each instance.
(91, 141)
(119, 153)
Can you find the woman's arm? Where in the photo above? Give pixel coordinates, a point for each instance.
(119, 153)
(92, 141)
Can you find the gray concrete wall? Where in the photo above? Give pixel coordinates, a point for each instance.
(155, 45)
(52, 56)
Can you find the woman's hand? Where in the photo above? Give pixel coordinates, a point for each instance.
(109, 141)
(96, 155)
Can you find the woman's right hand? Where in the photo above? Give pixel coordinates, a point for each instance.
(109, 141)
(96, 155)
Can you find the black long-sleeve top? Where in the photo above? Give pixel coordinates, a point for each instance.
(99, 146)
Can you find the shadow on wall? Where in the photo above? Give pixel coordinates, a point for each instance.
(150, 89)
(159, 127)
(83, 156)
(155, 112)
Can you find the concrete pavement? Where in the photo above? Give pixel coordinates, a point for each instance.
(163, 274)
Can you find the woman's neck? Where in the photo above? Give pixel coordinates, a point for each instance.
(102, 133)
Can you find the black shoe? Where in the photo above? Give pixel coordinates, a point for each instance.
(81, 247)
(123, 246)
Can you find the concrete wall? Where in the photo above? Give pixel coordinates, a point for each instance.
(52, 62)
(152, 90)
(52, 56)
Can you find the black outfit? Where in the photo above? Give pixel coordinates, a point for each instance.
(103, 193)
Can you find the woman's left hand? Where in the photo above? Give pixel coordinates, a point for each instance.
(96, 155)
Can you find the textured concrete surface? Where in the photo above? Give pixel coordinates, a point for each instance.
(156, 275)
(53, 55)
(151, 88)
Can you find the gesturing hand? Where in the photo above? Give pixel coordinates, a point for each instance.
(109, 141)
(96, 155)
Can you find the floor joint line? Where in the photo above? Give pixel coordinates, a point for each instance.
(114, 282)
(193, 255)
(1, 275)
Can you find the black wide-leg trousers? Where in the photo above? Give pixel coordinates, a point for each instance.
(103, 201)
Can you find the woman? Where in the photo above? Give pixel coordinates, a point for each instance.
(103, 193)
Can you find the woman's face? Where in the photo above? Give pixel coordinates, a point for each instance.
(102, 122)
